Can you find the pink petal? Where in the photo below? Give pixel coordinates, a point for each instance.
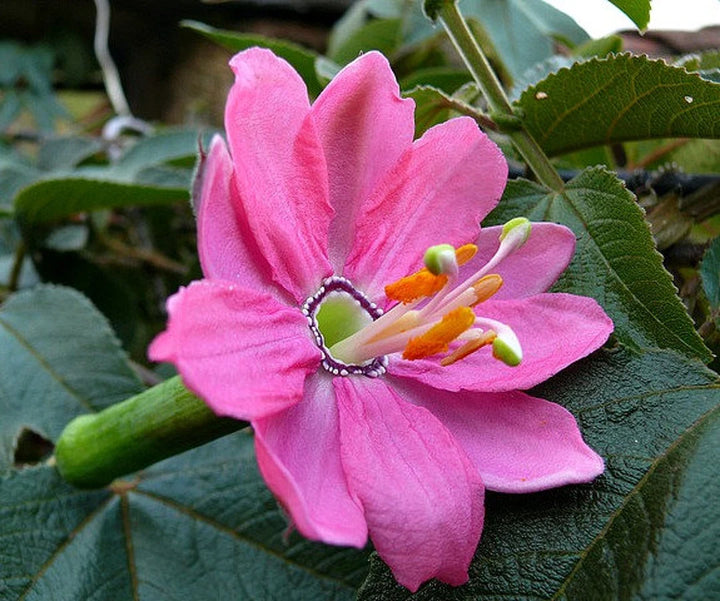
(298, 452)
(245, 354)
(279, 169)
(517, 442)
(364, 126)
(534, 267)
(422, 497)
(227, 250)
(438, 192)
(554, 330)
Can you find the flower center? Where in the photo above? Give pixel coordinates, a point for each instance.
(434, 313)
(335, 312)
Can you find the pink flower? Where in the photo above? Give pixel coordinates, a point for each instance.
(301, 225)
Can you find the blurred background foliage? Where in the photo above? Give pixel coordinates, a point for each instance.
(99, 202)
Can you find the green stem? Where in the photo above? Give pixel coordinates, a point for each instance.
(14, 280)
(160, 422)
(482, 72)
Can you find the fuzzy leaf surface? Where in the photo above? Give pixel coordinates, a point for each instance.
(199, 526)
(58, 359)
(617, 99)
(615, 260)
(646, 529)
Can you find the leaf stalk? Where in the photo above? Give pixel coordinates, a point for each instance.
(475, 60)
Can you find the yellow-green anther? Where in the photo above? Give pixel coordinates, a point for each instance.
(440, 259)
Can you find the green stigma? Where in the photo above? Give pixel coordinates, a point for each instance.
(339, 317)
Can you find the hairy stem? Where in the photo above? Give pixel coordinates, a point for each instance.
(479, 67)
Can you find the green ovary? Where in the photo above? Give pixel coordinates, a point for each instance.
(340, 316)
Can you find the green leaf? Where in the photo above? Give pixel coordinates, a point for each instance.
(199, 526)
(13, 177)
(637, 10)
(51, 199)
(432, 106)
(522, 31)
(599, 47)
(655, 418)
(71, 237)
(377, 34)
(302, 59)
(710, 273)
(446, 79)
(360, 13)
(66, 152)
(158, 149)
(620, 98)
(615, 261)
(58, 359)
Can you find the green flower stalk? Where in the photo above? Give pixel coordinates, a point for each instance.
(162, 421)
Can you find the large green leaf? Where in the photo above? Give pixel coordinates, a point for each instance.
(648, 528)
(637, 10)
(65, 152)
(58, 359)
(48, 200)
(199, 526)
(155, 170)
(615, 261)
(619, 98)
(299, 57)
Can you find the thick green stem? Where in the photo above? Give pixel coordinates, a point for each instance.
(482, 72)
(164, 420)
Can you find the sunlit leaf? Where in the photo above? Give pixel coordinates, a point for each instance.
(637, 10)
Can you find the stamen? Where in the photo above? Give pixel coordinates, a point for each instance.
(483, 339)
(417, 285)
(486, 287)
(438, 337)
(465, 253)
(513, 235)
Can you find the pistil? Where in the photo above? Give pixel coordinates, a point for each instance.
(432, 312)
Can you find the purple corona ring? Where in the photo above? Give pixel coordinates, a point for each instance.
(354, 312)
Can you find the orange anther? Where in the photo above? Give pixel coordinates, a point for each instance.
(417, 285)
(486, 287)
(437, 338)
(465, 253)
(468, 348)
